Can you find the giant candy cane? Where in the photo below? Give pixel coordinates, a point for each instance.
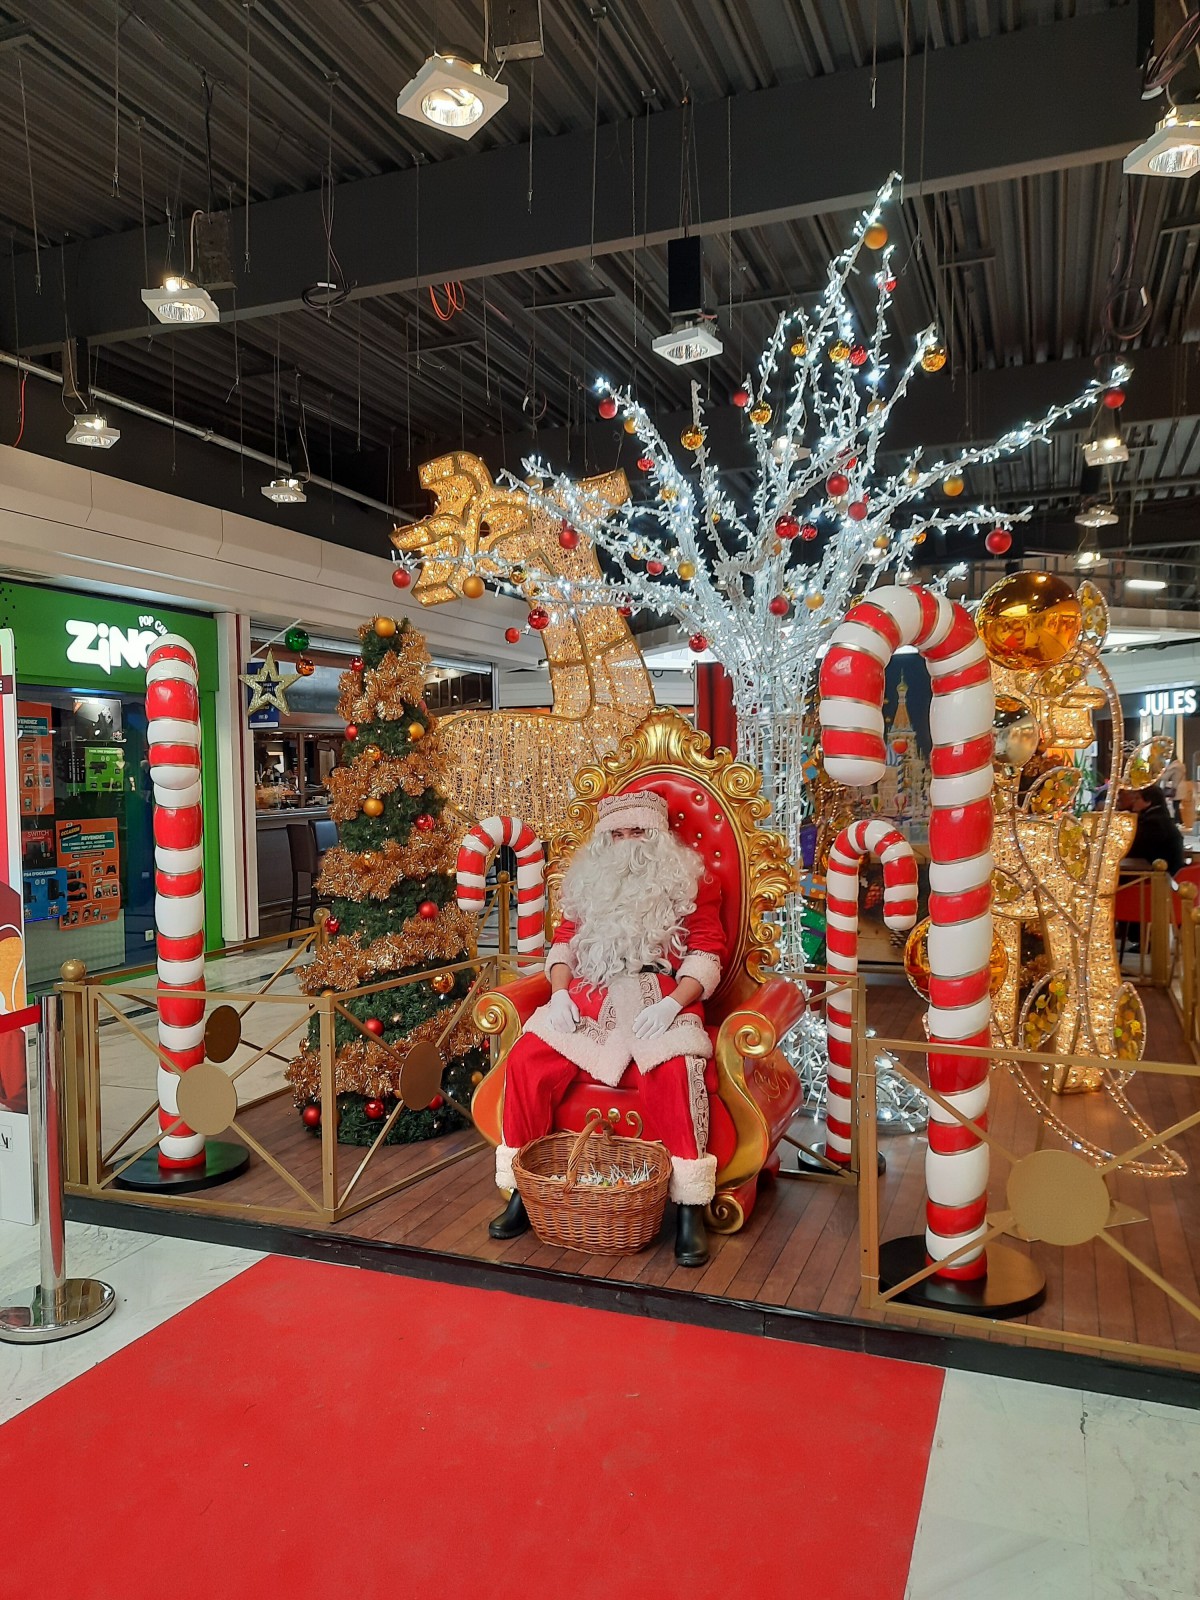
(841, 942)
(960, 872)
(478, 848)
(173, 713)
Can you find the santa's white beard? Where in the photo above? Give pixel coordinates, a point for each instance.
(629, 899)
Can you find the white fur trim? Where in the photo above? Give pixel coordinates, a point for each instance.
(693, 1183)
(705, 967)
(560, 955)
(504, 1170)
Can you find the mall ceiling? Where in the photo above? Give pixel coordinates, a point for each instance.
(762, 125)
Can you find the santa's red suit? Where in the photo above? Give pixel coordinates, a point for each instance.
(545, 1061)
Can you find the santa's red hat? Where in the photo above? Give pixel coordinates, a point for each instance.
(641, 808)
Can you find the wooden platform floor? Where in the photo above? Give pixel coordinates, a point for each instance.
(800, 1250)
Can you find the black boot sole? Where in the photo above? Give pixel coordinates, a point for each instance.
(500, 1230)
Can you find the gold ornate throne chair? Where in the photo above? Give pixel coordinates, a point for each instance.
(714, 802)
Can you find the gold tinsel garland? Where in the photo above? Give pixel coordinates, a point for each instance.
(414, 773)
(344, 964)
(386, 692)
(373, 874)
(369, 1068)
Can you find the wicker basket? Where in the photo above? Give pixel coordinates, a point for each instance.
(617, 1220)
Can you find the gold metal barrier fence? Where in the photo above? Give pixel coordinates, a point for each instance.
(323, 1191)
(1059, 1208)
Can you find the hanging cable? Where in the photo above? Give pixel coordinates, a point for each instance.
(456, 300)
(116, 177)
(595, 141)
(37, 247)
(246, 257)
(1160, 69)
(1127, 306)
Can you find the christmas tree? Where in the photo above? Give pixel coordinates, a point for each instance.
(391, 879)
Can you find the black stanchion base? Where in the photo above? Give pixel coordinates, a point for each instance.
(1013, 1286)
(808, 1164)
(221, 1162)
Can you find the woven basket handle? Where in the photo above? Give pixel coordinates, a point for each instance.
(575, 1160)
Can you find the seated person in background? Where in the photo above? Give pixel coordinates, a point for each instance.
(637, 952)
(1157, 837)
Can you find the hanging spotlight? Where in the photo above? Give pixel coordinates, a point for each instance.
(453, 93)
(181, 302)
(692, 342)
(91, 429)
(285, 491)
(1173, 149)
(1097, 515)
(1110, 450)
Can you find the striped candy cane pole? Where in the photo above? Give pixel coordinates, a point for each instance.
(960, 873)
(841, 941)
(173, 713)
(477, 850)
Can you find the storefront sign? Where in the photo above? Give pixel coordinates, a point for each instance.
(105, 645)
(1169, 703)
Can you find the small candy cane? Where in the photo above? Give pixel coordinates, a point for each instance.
(474, 855)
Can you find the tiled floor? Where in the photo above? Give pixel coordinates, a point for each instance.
(1031, 1491)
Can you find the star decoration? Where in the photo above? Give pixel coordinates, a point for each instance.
(268, 686)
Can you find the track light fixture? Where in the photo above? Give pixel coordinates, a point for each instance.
(179, 302)
(285, 491)
(1173, 149)
(91, 429)
(453, 93)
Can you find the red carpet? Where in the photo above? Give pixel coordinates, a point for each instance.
(316, 1431)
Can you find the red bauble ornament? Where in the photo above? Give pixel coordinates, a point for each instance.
(568, 538)
(539, 619)
(374, 1110)
(645, 463)
(1114, 399)
(373, 1026)
(857, 510)
(698, 643)
(809, 531)
(607, 408)
(351, 731)
(999, 541)
(333, 925)
(356, 664)
(889, 284)
(427, 909)
(836, 484)
(858, 355)
(779, 606)
(512, 634)
(740, 398)
(786, 527)
(437, 1103)
(655, 568)
(401, 577)
(424, 823)
(900, 746)
(311, 1116)
(624, 611)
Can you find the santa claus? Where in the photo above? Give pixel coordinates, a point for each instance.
(637, 952)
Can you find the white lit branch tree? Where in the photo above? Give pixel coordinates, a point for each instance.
(762, 585)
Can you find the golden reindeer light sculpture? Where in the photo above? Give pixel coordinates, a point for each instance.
(519, 763)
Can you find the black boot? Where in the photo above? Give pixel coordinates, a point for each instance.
(512, 1221)
(691, 1238)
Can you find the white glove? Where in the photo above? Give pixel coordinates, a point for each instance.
(563, 1012)
(656, 1019)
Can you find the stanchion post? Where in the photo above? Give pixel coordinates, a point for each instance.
(58, 1306)
(1160, 925)
(503, 888)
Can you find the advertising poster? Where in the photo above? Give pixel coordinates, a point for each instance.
(16, 1166)
(44, 881)
(35, 758)
(89, 854)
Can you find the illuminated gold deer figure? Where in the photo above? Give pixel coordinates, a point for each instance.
(519, 763)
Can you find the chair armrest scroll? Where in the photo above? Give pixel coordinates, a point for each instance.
(757, 1030)
(511, 1006)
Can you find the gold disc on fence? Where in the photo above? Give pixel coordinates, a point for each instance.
(207, 1098)
(421, 1075)
(1056, 1196)
(222, 1033)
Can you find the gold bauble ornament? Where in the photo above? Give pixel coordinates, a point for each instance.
(517, 574)
(933, 358)
(373, 753)
(876, 236)
(442, 982)
(799, 348)
(814, 602)
(882, 542)
(1016, 731)
(533, 482)
(666, 492)
(760, 414)
(372, 807)
(385, 627)
(630, 425)
(839, 350)
(477, 1077)
(472, 586)
(1029, 621)
(687, 571)
(691, 438)
(920, 538)
(416, 732)
(874, 407)
(953, 485)
(916, 960)
(911, 477)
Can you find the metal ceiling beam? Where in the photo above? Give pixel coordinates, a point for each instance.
(776, 154)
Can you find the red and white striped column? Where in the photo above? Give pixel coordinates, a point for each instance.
(841, 941)
(173, 713)
(474, 856)
(960, 873)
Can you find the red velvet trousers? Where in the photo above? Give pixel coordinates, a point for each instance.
(536, 1078)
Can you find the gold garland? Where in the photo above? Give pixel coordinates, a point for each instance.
(344, 964)
(388, 691)
(365, 778)
(373, 874)
(370, 1068)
